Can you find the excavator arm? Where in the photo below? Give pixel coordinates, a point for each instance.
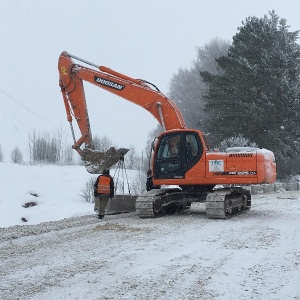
(137, 91)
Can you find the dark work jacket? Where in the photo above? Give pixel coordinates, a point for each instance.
(149, 184)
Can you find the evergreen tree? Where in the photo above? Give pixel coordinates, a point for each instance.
(259, 91)
(187, 87)
(1, 154)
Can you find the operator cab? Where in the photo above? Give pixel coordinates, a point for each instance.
(176, 153)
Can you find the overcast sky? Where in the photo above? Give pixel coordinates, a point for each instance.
(142, 39)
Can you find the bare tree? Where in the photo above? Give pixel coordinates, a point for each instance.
(102, 143)
(67, 155)
(133, 161)
(138, 185)
(44, 148)
(87, 192)
(16, 156)
(64, 149)
(1, 154)
(152, 138)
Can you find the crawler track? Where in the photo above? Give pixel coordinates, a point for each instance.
(220, 204)
(224, 203)
(162, 201)
(144, 206)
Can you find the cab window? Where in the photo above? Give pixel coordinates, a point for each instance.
(170, 147)
(192, 147)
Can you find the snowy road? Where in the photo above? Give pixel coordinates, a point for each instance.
(255, 255)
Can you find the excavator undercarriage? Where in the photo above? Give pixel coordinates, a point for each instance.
(220, 203)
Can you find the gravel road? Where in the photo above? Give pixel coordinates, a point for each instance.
(255, 255)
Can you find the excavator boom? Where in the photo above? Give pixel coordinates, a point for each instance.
(134, 90)
(137, 91)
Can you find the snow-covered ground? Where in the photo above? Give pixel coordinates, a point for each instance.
(58, 190)
(255, 255)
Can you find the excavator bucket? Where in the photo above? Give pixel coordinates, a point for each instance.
(96, 161)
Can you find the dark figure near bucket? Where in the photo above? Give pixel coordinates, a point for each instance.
(149, 184)
(103, 190)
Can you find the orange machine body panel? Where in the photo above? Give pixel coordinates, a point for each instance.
(243, 166)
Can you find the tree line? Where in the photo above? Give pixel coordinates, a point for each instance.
(240, 93)
(52, 148)
(247, 89)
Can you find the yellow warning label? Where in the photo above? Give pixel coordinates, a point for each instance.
(64, 70)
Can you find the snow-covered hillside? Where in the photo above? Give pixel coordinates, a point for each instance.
(255, 255)
(58, 190)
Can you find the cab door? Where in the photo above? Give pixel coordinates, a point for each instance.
(176, 153)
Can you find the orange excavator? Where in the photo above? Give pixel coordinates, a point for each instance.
(182, 164)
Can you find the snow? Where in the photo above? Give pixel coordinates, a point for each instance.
(70, 254)
(58, 188)
(241, 149)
